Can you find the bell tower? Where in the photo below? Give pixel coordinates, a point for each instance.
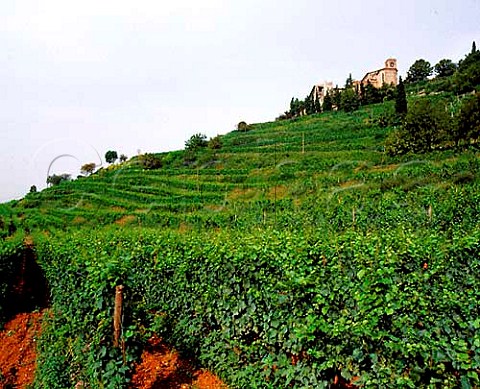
(391, 71)
(391, 63)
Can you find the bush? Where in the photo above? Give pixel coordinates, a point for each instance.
(196, 142)
(243, 126)
(215, 143)
(57, 179)
(150, 161)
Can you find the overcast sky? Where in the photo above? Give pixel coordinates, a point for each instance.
(78, 78)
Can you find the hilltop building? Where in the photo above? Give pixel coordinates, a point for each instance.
(388, 75)
(320, 90)
(385, 76)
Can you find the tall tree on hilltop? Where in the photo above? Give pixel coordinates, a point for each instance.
(419, 71)
(349, 81)
(370, 94)
(337, 98)
(309, 104)
(318, 108)
(349, 100)
(445, 68)
(467, 76)
(296, 107)
(401, 99)
(111, 156)
(327, 102)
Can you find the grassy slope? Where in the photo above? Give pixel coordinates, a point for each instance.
(290, 169)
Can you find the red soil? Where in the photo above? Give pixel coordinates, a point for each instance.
(162, 367)
(17, 350)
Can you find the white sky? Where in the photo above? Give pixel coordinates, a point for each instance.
(78, 78)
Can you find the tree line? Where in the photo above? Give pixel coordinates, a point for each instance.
(462, 76)
(434, 124)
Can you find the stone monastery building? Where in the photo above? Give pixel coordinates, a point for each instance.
(387, 75)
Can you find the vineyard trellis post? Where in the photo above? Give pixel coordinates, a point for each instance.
(117, 315)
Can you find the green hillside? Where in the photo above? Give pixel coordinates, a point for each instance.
(303, 171)
(298, 252)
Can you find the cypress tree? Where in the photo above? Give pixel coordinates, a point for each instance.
(401, 99)
(327, 103)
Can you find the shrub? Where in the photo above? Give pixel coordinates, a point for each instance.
(150, 161)
(215, 143)
(196, 142)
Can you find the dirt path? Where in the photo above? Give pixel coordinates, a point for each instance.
(17, 350)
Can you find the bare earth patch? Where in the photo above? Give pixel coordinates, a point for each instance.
(18, 350)
(127, 219)
(162, 367)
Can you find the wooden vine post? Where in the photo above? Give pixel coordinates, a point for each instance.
(117, 315)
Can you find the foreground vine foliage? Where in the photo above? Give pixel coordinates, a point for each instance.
(394, 309)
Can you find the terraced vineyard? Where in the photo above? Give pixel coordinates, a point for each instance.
(297, 253)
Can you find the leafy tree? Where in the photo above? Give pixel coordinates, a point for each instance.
(215, 143)
(370, 94)
(123, 158)
(312, 104)
(57, 179)
(468, 123)
(111, 156)
(88, 168)
(445, 68)
(349, 100)
(33, 189)
(387, 92)
(327, 102)
(419, 71)
(401, 99)
(150, 161)
(425, 126)
(297, 107)
(196, 141)
(337, 98)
